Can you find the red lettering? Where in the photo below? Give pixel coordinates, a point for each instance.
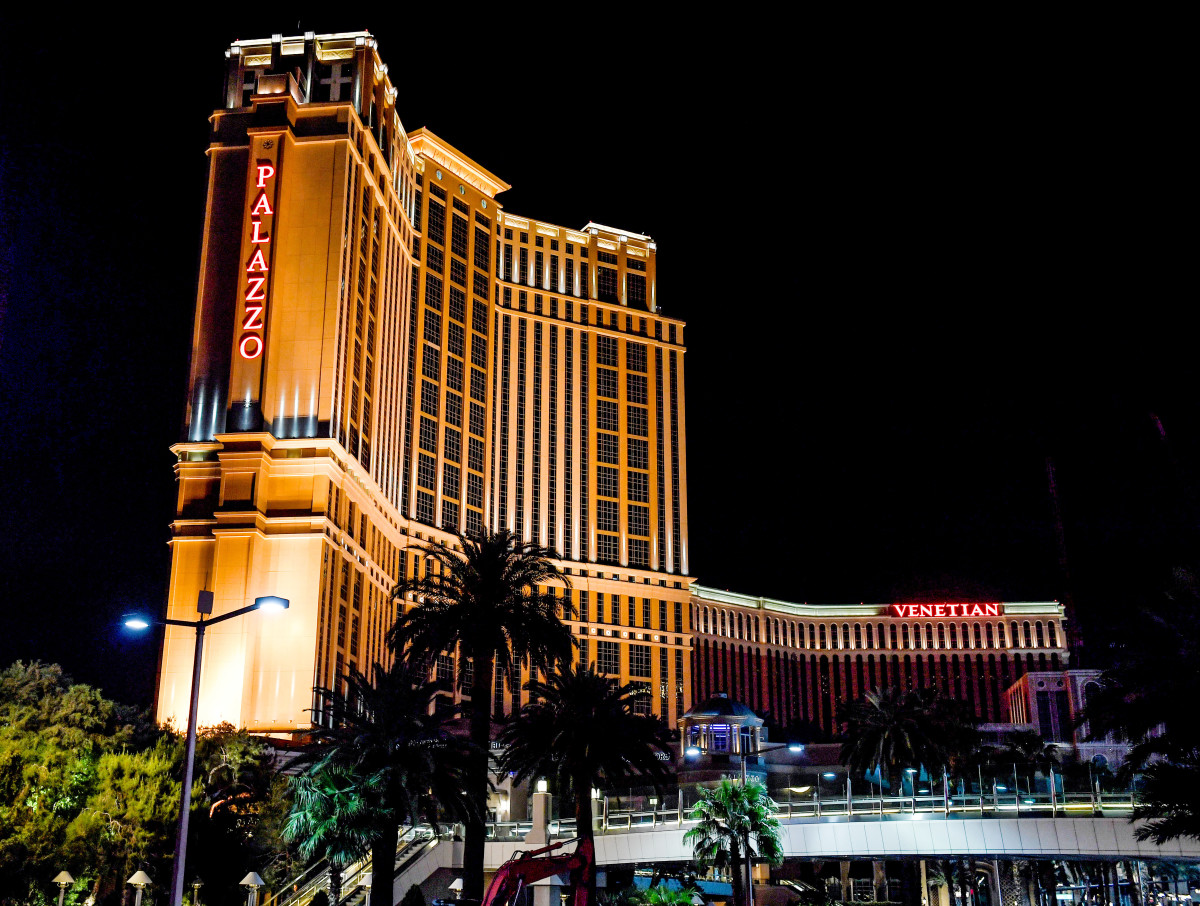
(991, 610)
(898, 610)
(251, 346)
(258, 236)
(253, 322)
(939, 610)
(925, 610)
(261, 205)
(265, 172)
(257, 263)
(254, 289)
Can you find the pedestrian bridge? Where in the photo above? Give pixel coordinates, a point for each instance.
(1074, 827)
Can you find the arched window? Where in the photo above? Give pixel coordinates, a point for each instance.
(1028, 634)
(739, 625)
(990, 641)
(845, 635)
(928, 635)
(907, 640)
(1001, 640)
(1041, 643)
(1014, 635)
(892, 635)
(858, 635)
(953, 636)
(704, 617)
(723, 626)
(870, 636)
(880, 635)
(978, 636)
(822, 634)
(1053, 631)
(966, 636)
(941, 635)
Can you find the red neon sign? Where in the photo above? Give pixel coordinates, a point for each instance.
(255, 300)
(947, 610)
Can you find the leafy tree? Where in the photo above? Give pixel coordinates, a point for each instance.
(383, 731)
(489, 601)
(581, 729)
(735, 824)
(1152, 671)
(895, 729)
(332, 817)
(662, 895)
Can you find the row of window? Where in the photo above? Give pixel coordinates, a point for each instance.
(903, 636)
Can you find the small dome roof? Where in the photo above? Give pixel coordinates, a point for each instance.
(721, 705)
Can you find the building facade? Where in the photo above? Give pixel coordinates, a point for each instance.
(802, 663)
(382, 357)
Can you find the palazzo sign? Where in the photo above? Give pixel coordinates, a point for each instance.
(946, 610)
(254, 299)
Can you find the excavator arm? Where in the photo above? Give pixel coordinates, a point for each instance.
(525, 868)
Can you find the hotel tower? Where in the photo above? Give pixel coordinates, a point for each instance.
(383, 356)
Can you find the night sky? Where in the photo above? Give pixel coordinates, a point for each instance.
(909, 276)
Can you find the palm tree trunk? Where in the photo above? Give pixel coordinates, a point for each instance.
(475, 826)
(1135, 892)
(735, 868)
(383, 866)
(335, 884)
(585, 833)
(948, 873)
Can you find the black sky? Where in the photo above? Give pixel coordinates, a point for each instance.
(910, 275)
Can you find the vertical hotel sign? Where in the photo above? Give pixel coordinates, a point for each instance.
(258, 234)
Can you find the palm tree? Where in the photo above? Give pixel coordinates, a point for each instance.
(735, 823)
(894, 729)
(490, 601)
(383, 732)
(331, 817)
(581, 729)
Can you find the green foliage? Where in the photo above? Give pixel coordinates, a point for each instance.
(735, 822)
(93, 787)
(662, 895)
(894, 729)
(625, 896)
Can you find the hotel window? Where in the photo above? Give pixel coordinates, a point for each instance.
(928, 635)
(978, 636)
(990, 641)
(450, 483)
(635, 388)
(458, 272)
(606, 284)
(539, 241)
(608, 658)
(953, 636)
(635, 357)
(553, 273)
(639, 453)
(479, 283)
(523, 270)
(537, 266)
(607, 483)
(477, 425)
(436, 229)
(433, 291)
(452, 446)
(425, 507)
(570, 269)
(481, 250)
(1040, 639)
(583, 284)
(635, 290)
(606, 515)
(1053, 632)
(474, 452)
(455, 336)
(607, 450)
(966, 636)
(858, 642)
(638, 421)
(429, 398)
(821, 634)
(433, 327)
(458, 236)
(639, 660)
(607, 548)
(646, 614)
(739, 625)
(431, 361)
(606, 417)
(606, 351)
(428, 436)
(508, 262)
(478, 385)
(638, 486)
(474, 490)
(639, 520)
(434, 259)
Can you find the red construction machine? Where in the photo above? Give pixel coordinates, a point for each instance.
(524, 868)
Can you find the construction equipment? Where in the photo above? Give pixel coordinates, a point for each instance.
(525, 868)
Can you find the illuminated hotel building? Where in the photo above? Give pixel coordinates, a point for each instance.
(383, 356)
(801, 663)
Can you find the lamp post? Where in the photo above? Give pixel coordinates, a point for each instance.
(204, 607)
(140, 882)
(196, 885)
(64, 880)
(252, 881)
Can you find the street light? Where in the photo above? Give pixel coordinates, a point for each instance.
(204, 606)
(253, 881)
(196, 885)
(64, 880)
(140, 882)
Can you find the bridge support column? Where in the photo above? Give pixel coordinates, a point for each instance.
(879, 879)
(844, 870)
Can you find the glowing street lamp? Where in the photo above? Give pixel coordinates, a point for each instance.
(204, 607)
(64, 880)
(253, 882)
(140, 881)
